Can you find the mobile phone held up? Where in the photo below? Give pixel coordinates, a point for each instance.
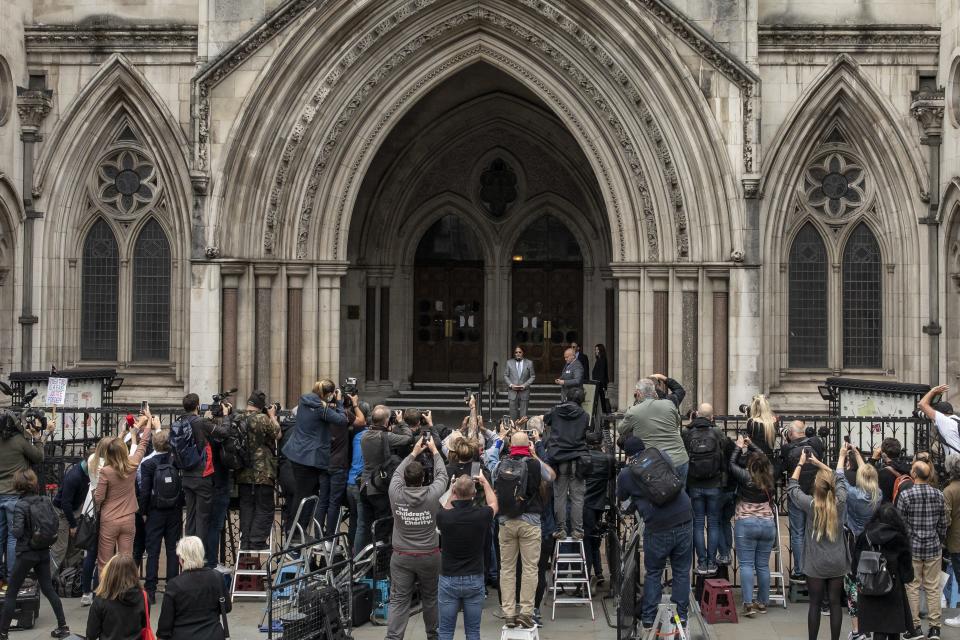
(475, 470)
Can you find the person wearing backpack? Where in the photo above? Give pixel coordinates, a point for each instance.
(116, 495)
(566, 443)
(377, 447)
(19, 449)
(259, 431)
(161, 501)
(656, 422)
(886, 615)
(35, 525)
(518, 474)
(922, 508)
(193, 455)
(891, 465)
(654, 489)
(709, 450)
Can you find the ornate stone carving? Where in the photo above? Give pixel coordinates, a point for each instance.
(870, 37)
(498, 188)
(927, 107)
(835, 185)
(126, 182)
(212, 252)
(736, 255)
(33, 105)
(49, 38)
(751, 187)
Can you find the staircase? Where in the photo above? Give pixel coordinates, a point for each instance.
(446, 400)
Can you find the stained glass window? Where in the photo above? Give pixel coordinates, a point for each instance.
(99, 287)
(151, 294)
(808, 300)
(862, 301)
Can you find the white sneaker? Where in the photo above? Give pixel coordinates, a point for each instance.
(86, 600)
(952, 622)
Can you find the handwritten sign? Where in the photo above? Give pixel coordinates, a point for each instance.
(56, 391)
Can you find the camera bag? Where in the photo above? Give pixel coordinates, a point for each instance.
(383, 472)
(44, 522)
(657, 478)
(186, 453)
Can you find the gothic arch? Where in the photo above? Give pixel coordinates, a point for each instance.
(950, 251)
(11, 213)
(842, 101)
(409, 235)
(650, 168)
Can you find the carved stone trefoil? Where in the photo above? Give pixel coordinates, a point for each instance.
(927, 107)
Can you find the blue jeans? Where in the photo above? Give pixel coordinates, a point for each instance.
(755, 540)
(798, 528)
(87, 581)
(728, 504)
(682, 473)
(706, 506)
(658, 546)
(337, 489)
(457, 591)
(8, 503)
(218, 515)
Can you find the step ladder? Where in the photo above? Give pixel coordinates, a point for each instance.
(570, 570)
(261, 560)
(666, 624)
(778, 577)
(518, 633)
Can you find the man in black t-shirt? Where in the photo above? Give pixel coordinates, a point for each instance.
(463, 527)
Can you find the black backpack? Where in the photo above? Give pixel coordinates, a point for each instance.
(656, 477)
(706, 454)
(186, 453)
(166, 487)
(44, 522)
(68, 582)
(512, 486)
(383, 472)
(873, 577)
(234, 454)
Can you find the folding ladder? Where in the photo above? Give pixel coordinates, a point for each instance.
(570, 570)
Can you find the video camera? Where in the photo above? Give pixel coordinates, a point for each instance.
(216, 407)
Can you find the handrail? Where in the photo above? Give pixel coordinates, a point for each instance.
(493, 391)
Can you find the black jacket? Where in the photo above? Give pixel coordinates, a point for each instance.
(655, 518)
(747, 490)
(600, 375)
(597, 492)
(147, 469)
(726, 449)
(675, 392)
(790, 453)
(72, 492)
(889, 613)
(191, 607)
(887, 476)
(121, 619)
(567, 438)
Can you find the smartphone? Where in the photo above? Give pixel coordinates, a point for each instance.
(467, 394)
(808, 451)
(846, 439)
(475, 470)
(144, 406)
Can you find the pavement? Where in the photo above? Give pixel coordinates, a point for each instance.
(572, 623)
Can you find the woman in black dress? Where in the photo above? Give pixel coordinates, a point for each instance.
(889, 615)
(601, 376)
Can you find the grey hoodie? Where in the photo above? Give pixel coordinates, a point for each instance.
(415, 509)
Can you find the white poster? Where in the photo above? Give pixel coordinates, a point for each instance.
(56, 392)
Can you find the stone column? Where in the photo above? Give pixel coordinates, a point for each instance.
(660, 340)
(721, 328)
(328, 319)
(295, 277)
(230, 305)
(690, 343)
(263, 311)
(744, 334)
(629, 322)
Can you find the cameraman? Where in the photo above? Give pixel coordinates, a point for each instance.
(255, 481)
(19, 449)
(308, 449)
(799, 438)
(421, 425)
(328, 511)
(375, 442)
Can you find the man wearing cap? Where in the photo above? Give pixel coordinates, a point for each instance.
(260, 430)
(667, 535)
(941, 413)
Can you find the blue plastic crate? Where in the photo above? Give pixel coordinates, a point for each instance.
(381, 596)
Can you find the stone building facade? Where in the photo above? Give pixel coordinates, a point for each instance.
(748, 194)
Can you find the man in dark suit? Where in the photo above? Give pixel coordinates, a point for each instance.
(581, 358)
(572, 375)
(518, 375)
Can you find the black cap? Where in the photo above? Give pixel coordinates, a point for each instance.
(258, 399)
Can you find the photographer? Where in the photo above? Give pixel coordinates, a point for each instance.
(377, 446)
(668, 389)
(566, 444)
(891, 464)
(19, 448)
(656, 422)
(416, 545)
(255, 481)
(799, 439)
(308, 449)
(161, 502)
(421, 426)
(340, 436)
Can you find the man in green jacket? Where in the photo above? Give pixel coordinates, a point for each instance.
(657, 423)
(19, 449)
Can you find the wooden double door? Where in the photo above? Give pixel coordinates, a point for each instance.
(547, 314)
(448, 324)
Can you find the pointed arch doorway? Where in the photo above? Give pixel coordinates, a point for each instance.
(448, 294)
(547, 294)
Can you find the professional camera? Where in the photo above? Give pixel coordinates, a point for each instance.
(744, 409)
(349, 387)
(276, 408)
(824, 431)
(216, 407)
(34, 420)
(809, 432)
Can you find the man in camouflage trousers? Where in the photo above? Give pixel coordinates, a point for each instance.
(260, 430)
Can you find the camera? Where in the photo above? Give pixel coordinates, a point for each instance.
(349, 387)
(216, 407)
(744, 409)
(809, 432)
(424, 438)
(34, 420)
(824, 431)
(276, 408)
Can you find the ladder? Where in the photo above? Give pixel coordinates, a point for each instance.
(519, 633)
(570, 570)
(261, 560)
(666, 624)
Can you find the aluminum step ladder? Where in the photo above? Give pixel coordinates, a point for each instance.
(570, 570)
(666, 624)
(262, 560)
(518, 633)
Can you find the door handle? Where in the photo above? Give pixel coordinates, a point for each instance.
(447, 328)
(547, 329)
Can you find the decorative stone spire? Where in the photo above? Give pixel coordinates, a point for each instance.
(33, 105)
(927, 107)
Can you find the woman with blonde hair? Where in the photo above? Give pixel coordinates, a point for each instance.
(94, 462)
(826, 554)
(761, 424)
(195, 600)
(116, 494)
(120, 610)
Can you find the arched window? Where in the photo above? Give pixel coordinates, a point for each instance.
(99, 292)
(862, 301)
(151, 294)
(808, 300)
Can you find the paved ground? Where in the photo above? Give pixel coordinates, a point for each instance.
(572, 623)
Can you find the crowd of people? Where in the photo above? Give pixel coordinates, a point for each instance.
(480, 507)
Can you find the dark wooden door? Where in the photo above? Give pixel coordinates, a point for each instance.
(448, 324)
(547, 314)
